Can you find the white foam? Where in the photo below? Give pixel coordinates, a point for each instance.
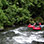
(33, 37)
(39, 32)
(24, 38)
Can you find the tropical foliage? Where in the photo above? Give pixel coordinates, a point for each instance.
(15, 11)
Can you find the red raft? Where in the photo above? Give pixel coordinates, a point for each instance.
(30, 26)
(34, 28)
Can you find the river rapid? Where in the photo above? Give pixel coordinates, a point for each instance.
(22, 35)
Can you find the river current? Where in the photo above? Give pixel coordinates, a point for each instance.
(22, 35)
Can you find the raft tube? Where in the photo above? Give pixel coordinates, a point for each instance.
(30, 26)
(36, 28)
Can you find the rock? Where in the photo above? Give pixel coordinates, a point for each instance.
(13, 26)
(1, 28)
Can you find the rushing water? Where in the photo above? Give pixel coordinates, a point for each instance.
(22, 35)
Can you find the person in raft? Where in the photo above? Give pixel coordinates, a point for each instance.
(37, 23)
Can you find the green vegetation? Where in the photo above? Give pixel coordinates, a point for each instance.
(16, 11)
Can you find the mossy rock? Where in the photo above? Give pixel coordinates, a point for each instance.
(1, 28)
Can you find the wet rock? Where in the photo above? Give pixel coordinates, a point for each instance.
(10, 34)
(13, 26)
(34, 42)
(2, 28)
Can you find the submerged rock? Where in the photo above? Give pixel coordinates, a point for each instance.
(10, 34)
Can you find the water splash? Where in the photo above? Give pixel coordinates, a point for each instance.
(24, 37)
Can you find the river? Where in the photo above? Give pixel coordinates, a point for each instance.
(22, 35)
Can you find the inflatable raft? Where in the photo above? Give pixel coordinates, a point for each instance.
(30, 26)
(34, 28)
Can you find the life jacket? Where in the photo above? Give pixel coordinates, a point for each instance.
(39, 23)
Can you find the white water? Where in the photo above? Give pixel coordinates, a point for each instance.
(34, 36)
(26, 36)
